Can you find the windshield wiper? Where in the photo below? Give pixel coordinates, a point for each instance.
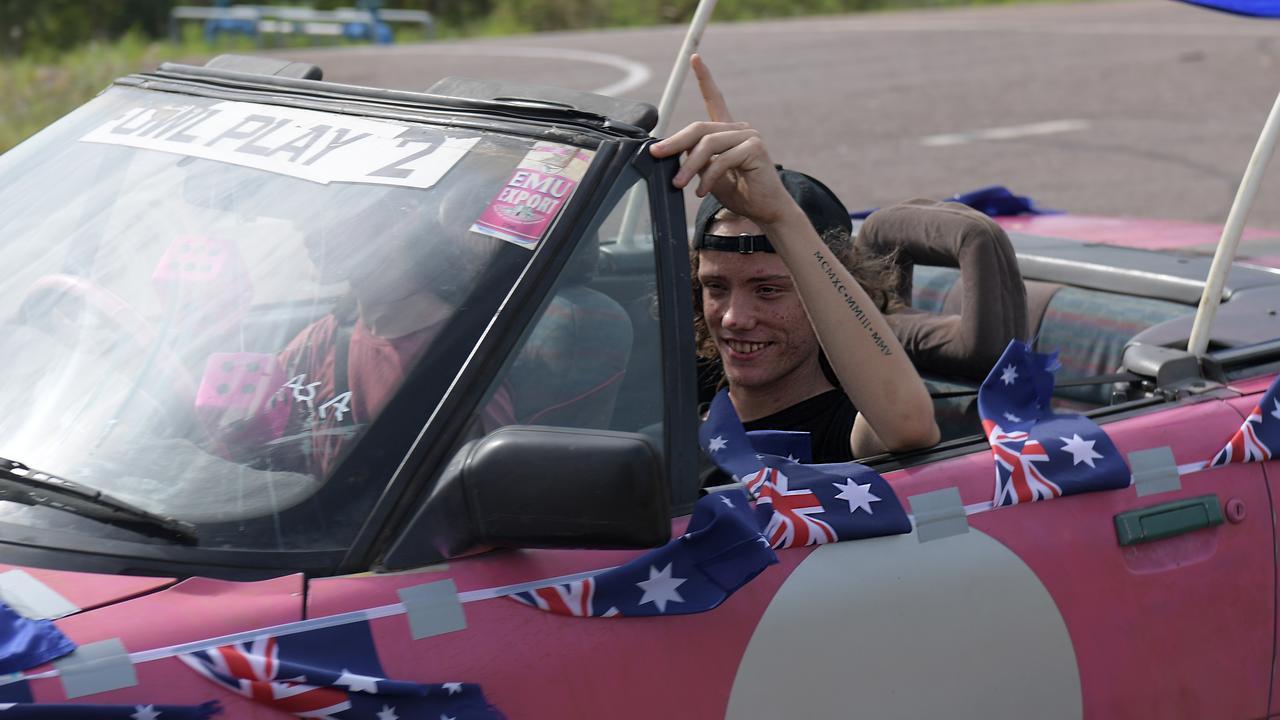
(21, 484)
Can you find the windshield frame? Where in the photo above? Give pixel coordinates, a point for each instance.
(61, 549)
(439, 437)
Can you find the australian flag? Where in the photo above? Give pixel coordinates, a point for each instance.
(332, 673)
(1254, 441)
(721, 551)
(798, 504)
(1041, 454)
(26, 643)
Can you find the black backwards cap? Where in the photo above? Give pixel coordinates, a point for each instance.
(823, 208)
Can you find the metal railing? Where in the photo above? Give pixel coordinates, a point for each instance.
(262, 21)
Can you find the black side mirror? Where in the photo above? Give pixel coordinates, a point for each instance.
(542, 487)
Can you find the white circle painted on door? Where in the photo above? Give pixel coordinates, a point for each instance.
(891, 627)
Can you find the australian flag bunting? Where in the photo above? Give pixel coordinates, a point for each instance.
(721, 551)
(1254, 441)
(798, 504)
(26, 643)
(1040, 454)
(332, 673)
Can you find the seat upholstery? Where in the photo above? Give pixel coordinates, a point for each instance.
(1089, 329)
(571, 366)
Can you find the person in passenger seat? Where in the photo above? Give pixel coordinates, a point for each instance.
(774, 296)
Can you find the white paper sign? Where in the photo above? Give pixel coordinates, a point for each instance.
(315, 146)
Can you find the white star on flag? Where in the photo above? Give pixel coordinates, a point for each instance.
(793, 458)
(1009, 374)
(388, 713)
(660, 588)
(1276, 413)
(454, 687)
(1081, 450)
(447, 717)
(145, 712)
(726, 500)
(858, 496)
(1011, 417)
(357, 683)
(717, 444)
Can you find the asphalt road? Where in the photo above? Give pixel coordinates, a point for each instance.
(1140, 108)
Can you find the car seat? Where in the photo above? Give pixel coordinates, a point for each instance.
(953, 323)
(573, 361)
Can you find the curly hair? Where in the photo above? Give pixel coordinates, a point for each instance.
(877, 274)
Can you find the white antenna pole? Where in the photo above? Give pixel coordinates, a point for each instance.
(698, 25)
(1198, 344)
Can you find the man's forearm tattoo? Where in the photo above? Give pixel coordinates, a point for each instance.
(853, 305)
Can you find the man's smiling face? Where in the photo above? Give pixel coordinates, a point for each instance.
(754, 315)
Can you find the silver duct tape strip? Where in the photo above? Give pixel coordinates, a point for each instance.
(938, 514)
(33, 599)
(433, 609)
(1154, 471)
(95, 668)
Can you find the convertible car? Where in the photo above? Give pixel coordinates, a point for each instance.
(305, 373)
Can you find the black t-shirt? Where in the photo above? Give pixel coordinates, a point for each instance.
(828, 418)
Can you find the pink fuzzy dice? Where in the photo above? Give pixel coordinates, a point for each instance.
(237, 395)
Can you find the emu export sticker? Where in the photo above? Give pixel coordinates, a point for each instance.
(538, 189)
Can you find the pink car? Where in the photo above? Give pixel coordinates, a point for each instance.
(263, 331)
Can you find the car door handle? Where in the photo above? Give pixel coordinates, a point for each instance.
(1158, 522)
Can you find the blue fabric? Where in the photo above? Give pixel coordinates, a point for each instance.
(728, 542)
(721, 551)
(109, 712)
(1259, 436)
(26, 643)
(995, 201)
(783, 443)
(1040, 454)
(332, 672)
(1251, 8)
(799, 504)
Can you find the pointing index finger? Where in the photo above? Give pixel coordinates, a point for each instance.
(717, 108)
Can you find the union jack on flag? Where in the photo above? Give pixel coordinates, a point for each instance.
(331, 673)
(574, 598)
(1040, 454)
(253, 669)
(799, 504)
(791, 512)
(1259, 433)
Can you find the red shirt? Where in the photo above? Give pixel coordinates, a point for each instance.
(375, 368)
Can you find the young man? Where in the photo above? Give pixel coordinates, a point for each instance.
(770, 314)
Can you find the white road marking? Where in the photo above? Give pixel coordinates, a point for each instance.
(1005, 133)
(636, 73)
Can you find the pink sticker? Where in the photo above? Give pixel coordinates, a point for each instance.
(538, 189)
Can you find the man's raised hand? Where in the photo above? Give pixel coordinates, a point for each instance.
(729, 158)
(712, 98)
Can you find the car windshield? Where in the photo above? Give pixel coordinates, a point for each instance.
(207, 303)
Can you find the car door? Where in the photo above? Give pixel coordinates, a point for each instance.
(1036, 610)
